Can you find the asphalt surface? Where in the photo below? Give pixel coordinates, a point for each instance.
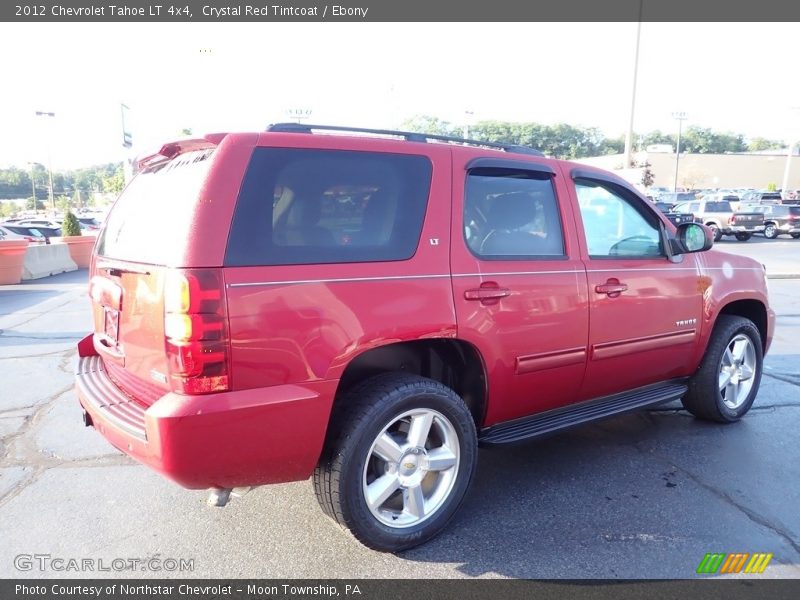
(641, 496)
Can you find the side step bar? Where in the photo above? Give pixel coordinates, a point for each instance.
(580, 414)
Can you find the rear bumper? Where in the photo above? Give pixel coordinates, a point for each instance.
(732, 229)
(228, 439)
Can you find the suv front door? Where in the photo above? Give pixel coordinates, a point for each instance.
(644, 309)
(519, 284)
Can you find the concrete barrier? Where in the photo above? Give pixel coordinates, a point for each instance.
(43, 260)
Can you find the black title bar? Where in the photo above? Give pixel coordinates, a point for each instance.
(401, 11)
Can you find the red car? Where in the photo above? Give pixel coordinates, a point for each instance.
(366, 309)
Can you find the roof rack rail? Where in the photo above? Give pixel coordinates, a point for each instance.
(409, 136)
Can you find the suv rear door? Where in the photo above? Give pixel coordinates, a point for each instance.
(174, 215)
(644, 309)
(518, 282)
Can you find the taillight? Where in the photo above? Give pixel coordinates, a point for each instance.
(732, 220)
(195, 331)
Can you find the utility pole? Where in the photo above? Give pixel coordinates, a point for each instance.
(681, 117)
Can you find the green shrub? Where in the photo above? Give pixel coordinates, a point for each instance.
(70, 226)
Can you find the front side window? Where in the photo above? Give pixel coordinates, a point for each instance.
(303, 206)
(613, 224)
(511, 214)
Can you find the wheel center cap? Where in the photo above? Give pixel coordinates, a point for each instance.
(408, 464)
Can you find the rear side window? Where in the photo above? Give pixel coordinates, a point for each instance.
(718, 207)
(151, 220)
(301, 206)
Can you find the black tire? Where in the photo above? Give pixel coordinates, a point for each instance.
(370, 412)
(795, 235)
(743, 237)
(770, 231)
(716, 232)
(704, 399)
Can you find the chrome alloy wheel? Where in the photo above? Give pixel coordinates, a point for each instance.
(411, 468)
(737, 371)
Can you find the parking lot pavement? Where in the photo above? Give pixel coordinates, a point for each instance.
(781, 255)
(645, 495)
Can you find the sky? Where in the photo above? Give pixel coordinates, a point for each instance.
(731, 77)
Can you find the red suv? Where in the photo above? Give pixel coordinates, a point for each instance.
(366, 309)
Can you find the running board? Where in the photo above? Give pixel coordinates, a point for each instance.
(580, 414)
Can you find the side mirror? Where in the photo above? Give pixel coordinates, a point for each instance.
(692, 237)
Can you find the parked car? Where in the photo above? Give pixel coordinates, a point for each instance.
(779, 219)
(89, 223)
(761, 197)
(676, 218)
(677, 197)
(34, 232)
(366, 311)
(6, 233)
(720, 217)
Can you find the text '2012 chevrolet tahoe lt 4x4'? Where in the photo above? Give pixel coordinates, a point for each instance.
(366, 309)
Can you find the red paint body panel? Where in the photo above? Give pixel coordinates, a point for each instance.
(545, 313)
(544, 334)
(228, 439)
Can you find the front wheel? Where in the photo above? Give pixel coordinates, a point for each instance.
(398, 462)
(743, 237)
(715, 231)
(725, 385)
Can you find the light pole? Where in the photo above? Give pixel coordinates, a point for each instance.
(33, 183)
(41, 113)
(467, 118)
(681, 117)
(792, 139)
(629, 134)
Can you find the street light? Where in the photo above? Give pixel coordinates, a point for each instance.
(41, 113)
(33, 182)
(681, 117)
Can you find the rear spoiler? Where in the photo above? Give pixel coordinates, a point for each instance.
(172, 149)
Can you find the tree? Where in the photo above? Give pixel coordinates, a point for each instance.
(70, 226)
(759, 143)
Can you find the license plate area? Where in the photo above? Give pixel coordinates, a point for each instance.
(111, 324)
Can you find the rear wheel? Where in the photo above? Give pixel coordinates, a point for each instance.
(399, 461)
(770, 231)
(795, 235)
(725, 385)
(743, 237)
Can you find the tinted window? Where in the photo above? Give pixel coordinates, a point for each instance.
(794, 210)
(615, 224)
(718, 207)
(151, 220)
(300, 206)
(511, 214)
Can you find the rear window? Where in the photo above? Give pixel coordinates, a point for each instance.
(718, 207)
(300, 206)
(151, 219)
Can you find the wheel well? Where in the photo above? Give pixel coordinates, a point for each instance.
(455, 363)
(750, 309)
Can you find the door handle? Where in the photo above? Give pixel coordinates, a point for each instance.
(612, 288)
(486, 293)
